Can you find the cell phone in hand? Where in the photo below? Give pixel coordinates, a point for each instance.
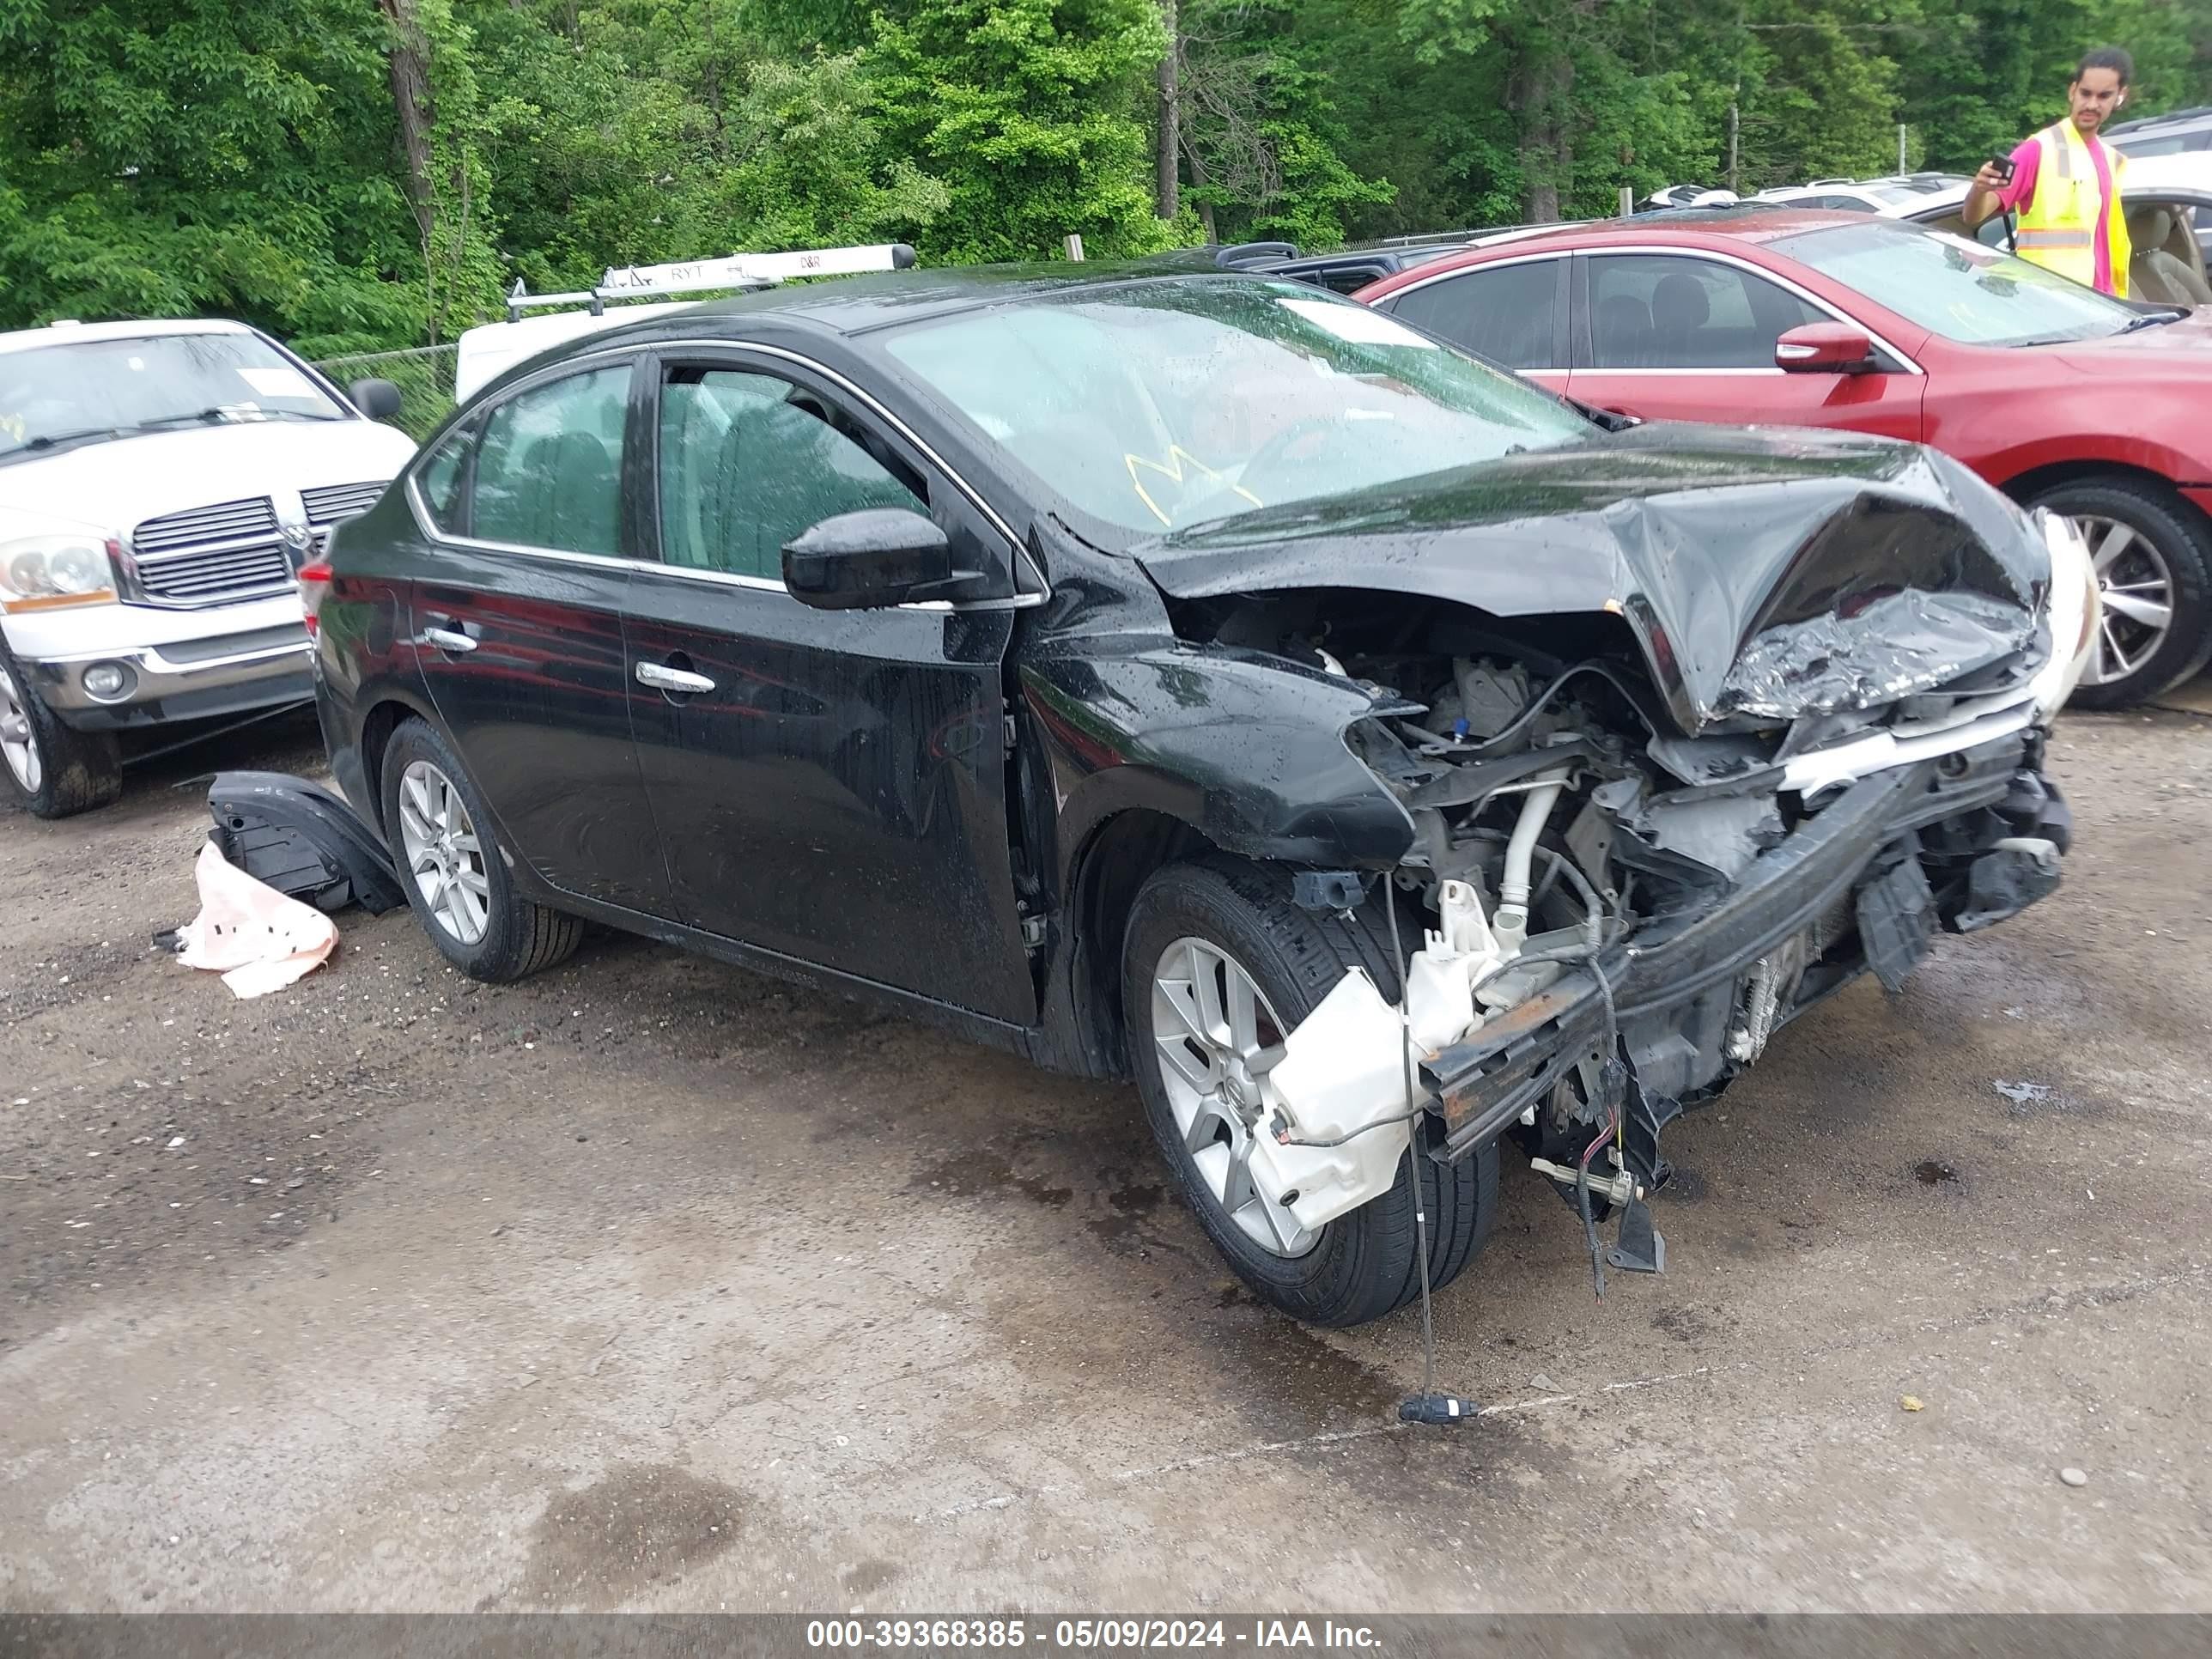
(2003, 166)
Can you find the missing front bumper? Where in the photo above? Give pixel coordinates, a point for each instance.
(1859, 868)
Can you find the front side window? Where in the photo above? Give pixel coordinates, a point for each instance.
(1656, 311)
(1956, 287)
(548, 467)
(1507, 314)
(72, 393)
(1159, 405)
(748, 462)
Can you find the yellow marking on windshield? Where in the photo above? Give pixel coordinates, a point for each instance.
(1172, 469)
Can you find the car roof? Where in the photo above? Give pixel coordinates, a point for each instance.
(69, 333)
(847, 306)
(1763, 221)
(859, 304)
(2189, 169)
(2200, 115)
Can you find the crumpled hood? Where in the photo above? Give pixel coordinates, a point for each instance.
(1767, 574)
(114, 485)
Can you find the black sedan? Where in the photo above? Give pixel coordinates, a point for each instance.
(1200, 679)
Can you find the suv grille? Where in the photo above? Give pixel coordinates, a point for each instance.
(333, 503)
(211, 555)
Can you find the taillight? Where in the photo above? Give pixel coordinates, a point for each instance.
(314, 582)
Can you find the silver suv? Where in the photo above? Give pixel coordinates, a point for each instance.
(2173, 133)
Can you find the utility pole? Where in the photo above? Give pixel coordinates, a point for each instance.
(1732, 146)
(1901, 148)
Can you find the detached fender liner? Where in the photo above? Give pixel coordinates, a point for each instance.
(1513, 1062)
(301, 839)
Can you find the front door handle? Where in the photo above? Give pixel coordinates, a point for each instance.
(447, 638)
(661, 678)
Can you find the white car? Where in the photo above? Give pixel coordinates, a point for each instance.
(1900, 196)
(160, 484)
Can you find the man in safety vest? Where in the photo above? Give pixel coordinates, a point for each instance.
(2066, 183)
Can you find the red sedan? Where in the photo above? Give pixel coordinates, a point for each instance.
(2100, 410)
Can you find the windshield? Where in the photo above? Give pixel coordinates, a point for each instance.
(80, 392)
(1166, 404)
(1957, 288)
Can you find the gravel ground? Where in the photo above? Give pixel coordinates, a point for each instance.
(653, 1285)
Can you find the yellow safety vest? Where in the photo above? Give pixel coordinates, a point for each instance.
(2058, 227)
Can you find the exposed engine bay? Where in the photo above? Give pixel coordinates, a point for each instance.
(1604, 918)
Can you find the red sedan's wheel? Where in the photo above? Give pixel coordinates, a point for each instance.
(2153, 553)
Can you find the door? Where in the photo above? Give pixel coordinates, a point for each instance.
(830, 786)
(1686, 337)
(518, 636)
(1514, 313)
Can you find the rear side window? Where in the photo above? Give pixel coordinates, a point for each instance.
(549, 468)
(1653, 312)
(440, 480)
(1506, 313)
(750, 461)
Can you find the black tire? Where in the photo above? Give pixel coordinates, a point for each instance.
(76, 771)
(1365, 1264)
(2182, 539)
(519, 938)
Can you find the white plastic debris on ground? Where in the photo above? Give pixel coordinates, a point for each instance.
(1342, 1070)
(259, 940)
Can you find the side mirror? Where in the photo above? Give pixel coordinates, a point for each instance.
(877, 557)
(1825, 349)
(378, 399)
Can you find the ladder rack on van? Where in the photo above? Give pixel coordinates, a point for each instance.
(491, 349)
(736, 271)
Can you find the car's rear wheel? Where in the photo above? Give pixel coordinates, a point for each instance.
(54, 771)
(2153, 554)
(450, 864)
(1219, 964)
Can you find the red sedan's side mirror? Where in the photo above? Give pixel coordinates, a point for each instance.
(1825, 349)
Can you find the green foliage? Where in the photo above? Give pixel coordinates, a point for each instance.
(250, 157)
(1029, 111)
(224, 155)
(1266, 141)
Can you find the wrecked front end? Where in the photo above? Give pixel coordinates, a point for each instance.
(1775, 739)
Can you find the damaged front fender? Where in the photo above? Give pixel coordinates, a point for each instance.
(1245, 747)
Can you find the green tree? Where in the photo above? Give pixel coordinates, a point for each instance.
(232, 157)
(1262, 137)
(1035, 113)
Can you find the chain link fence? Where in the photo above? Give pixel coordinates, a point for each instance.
(424, 376)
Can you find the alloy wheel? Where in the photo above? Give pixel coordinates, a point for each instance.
(2137, 591)
(1211, 1028)
(444, 856)
(19, 745)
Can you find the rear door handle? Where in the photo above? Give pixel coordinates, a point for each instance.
(661, 678)
(447, 638)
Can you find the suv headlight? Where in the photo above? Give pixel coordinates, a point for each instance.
(2073, 614)
(47, 573)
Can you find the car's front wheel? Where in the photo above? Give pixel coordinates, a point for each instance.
(55, 770)
(1219, 965)
(451, 866)
(2153, 554)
